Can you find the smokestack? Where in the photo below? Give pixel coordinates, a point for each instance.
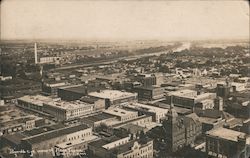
(35, 53)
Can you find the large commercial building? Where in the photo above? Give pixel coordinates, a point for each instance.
(62, 138)
(147, 80)
(121, 114)
(190, 99)
(75, 92)
(99, 103)
(226, 143)
(157, 113)
(21, 124)
(98, 119)
(52, 88)
(13, 120)
(114, 97)
(34, 102)
(116, 147)
(68, 110)
(150, 93)
(47, 60)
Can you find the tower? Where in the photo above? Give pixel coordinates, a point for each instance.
(174, 129)
(172, 114)
(35, 53)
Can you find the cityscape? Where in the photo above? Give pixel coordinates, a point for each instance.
(131, 98)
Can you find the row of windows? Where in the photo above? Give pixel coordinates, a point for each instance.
(138, 155)
(83, 135)
(129, 118)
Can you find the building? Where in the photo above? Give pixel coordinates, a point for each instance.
(49, 60)
(14, 120)
(190, 99)
(227, 143)
(114, 97)
(52, 88)
(34, 102)
(157, 113)
(98, 119)
(116, 147)
(223, 89)
(122, 114)
(239, 104)
(143, 122)
(147, 80)
(75, 92)
(180, 131)
(21, 124)
(150, 93)
(63, 110)
(99, 103)
(211, 118)
(54, 140)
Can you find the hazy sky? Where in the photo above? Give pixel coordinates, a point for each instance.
(164, 20)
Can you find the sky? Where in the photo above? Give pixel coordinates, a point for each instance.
(130, 20)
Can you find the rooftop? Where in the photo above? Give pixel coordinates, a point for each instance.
(99, 117)
(89, 99)
(36, 99)
(128, 146)
(55, 133)
(225, 133)
(43, 129)
(149, 108)
(112, 94)
(102, 142)
(68, 105)
(66, 145)
(14, 138)
(19, 120)
(56, 84)
(184, 92)
(119, 112)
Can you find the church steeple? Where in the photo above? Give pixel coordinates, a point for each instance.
(172, 114)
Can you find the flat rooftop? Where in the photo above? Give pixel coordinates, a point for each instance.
(101, 142)
(99, 117)
(39, 130)
(119, 112)
(55, 84)
(55, 133)
(10, 115)
(191, 94)
(72, 143)
(149, 108)
(112, 94)
(227, 134)
(183, 92)
(19, 120)
(68, 105)
(35, 99)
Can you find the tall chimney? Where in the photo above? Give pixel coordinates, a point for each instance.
(35, 53)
